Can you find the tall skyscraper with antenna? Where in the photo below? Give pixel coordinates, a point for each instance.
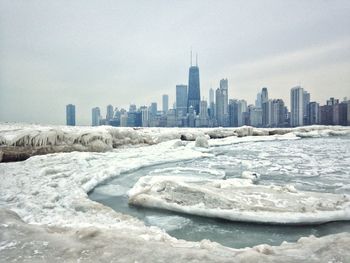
(194, 94)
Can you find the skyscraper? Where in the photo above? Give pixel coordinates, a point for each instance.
(153, 109)
(194, 94)
(96, 116)
(313, 116)
(265, 107)
(165, 103)
(297, 106)
(70, 114)
(219, 104)
(181, 100)
(211, 104)
(110, 113)
(224, 90)
(233, 113)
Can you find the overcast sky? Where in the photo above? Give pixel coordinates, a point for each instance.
(94, 53)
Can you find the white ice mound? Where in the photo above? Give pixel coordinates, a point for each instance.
(202, 141)
(251, 175)
(239, 200)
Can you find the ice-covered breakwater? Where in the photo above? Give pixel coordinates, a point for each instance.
(20, 141)
(239, 200)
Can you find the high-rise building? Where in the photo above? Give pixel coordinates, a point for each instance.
(165, 103)
(265, 106)
(132, 108)
(258, 100)
(296, 106)
(224, 90)
(306, 100)
(96, 116)
(181, 100)
(241, 109)
(255, 116)
(203, 114)
(110, 113)
(276, 113)
(211, 104)
(313, 116)
(194, 94)
(233, 113)
(340, 112)
(70, 115)
(219, 105)
(326, 115)
(153, 109)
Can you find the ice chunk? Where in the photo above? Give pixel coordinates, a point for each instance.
(251, 175)
(239, 200)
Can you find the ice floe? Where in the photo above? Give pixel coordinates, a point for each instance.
(239, 200)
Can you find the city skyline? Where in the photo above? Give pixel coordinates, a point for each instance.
(122, 53)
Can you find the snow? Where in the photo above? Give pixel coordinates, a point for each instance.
(239, 200)
(49, 193)
(105, 138)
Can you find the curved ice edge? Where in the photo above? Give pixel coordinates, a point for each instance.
(162, 192)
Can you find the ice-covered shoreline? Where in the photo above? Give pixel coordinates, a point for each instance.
(51, 191)
(21, 141)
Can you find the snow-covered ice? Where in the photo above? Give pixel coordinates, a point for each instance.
(239, 200)
(49, 193)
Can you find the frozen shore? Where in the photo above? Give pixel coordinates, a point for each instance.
(49, 195)
(239, 200)
(20, 141)
(22, 242)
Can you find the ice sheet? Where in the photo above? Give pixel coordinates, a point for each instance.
(239, 200)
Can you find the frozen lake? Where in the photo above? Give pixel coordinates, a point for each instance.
(315, 164)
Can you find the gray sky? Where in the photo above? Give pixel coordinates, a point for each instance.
(94, 53)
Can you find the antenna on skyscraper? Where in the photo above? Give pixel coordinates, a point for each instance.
(191, 57)
(196, 59)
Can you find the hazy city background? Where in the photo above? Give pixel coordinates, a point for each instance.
(93, 53)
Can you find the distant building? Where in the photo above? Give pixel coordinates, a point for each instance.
(224, 90)
(132, 108)
(297, 105)
(306, 100)
(258, 100)
(340, 114)
(211, 104)
(96, 116)
(153, 109)
(255, 116)
(313, 113)
(70, 115)
(241, 110)
(110, 113)
(265, 107)
(220, 108)
(233, 113)
(165, 103)
(134, 119)
(276, 113)
(181, 100)
(326, 115)
(194, 93)
(203, 114)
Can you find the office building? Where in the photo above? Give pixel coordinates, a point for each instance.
(297, 105)
(165, 103)
(70, 115)
(96, 116)
(181, 100)
(194, 93)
